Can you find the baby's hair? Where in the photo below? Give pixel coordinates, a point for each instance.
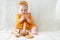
(22, 3)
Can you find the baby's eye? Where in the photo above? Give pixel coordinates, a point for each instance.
(21, 10)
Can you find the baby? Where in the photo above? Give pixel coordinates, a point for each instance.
(24, 20)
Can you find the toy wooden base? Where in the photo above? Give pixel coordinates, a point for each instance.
(24, 34)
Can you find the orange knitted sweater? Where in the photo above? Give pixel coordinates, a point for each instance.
(20, 24)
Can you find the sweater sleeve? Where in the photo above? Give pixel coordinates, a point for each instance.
(18, 16)
(30, 19)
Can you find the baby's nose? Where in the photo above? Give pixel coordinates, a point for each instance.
(24, 12)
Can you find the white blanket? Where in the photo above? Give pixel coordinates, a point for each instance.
(54, 35)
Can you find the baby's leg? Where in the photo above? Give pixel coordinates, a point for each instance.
(16, 32)
(34, 30)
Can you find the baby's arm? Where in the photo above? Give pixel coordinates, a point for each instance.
(22, 18)
(29, 19)
(19, 18)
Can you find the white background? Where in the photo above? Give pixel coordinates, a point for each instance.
(46, 14)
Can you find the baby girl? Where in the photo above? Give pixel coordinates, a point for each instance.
(24, 20)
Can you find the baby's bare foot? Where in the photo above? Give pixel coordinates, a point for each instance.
(34, 33)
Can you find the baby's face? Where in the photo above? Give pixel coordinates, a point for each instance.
(23, 9)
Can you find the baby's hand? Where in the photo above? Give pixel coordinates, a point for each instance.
(28, 19)
(22, 18)
(26, 16)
